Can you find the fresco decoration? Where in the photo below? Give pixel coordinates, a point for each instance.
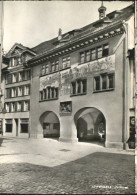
(49, 80)
(107, 63)
(66, 107)
(63, 79)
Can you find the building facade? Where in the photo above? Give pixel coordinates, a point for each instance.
(16, 81)
(82, 84)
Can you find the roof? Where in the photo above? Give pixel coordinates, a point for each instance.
(110, 19)
(22, 47)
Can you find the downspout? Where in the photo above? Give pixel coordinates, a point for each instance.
(125, 89)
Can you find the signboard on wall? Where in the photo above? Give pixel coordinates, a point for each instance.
(65, 107)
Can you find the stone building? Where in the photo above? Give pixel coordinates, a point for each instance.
(82, 84)
(16, 77)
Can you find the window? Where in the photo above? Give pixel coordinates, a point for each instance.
(7, 107)
(54, 66)
(82, 57)
(87, 58)
(104, 82)
(44, 69)
(105, 50)
(24, 128)
(9, 79)
(20, 76)
(13, 107)
(26, 90)
(8, 93)
(97, 83)
(99, 52)
(79, 87)
(26, 106)
(19, 104)
(93, 54)
(13, 92)
(14, 78)
(49, 93)
(19, 91)
(24, 125)
(66, 62)
(26, 75)
(111, 81)
(8, 125)
(12, 62)
(41, 95)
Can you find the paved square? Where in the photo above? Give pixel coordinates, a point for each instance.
(50, 167)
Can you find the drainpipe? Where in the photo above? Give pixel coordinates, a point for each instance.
(125, 89)
(1, 51)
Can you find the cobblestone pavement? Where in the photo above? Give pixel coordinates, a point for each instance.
(99, 171)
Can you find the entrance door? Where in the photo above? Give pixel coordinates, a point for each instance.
(16, 121)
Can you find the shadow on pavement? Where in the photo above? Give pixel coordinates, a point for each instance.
(1, 140)
(5, 139)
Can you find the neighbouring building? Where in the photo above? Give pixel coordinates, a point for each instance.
(81, 82)
(16, 83)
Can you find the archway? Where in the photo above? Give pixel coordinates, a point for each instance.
(91, 125)
(50, 124)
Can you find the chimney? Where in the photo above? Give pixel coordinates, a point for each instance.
(102, 10)
(59, 34)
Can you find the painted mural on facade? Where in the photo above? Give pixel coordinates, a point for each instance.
(63, 79)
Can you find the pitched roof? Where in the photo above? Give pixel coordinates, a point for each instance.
(110, 19)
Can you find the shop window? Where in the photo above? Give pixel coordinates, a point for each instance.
(104, 82)
(24, 127)
(79, 87)
(8, 125)
(8, 128)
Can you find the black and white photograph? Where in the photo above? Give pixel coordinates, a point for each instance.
(68, 97)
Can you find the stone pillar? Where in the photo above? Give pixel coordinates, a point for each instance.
(68, 131)
(4, 127)
(13, 127)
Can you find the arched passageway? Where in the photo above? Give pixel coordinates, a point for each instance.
(90, 124)
(50, 124)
